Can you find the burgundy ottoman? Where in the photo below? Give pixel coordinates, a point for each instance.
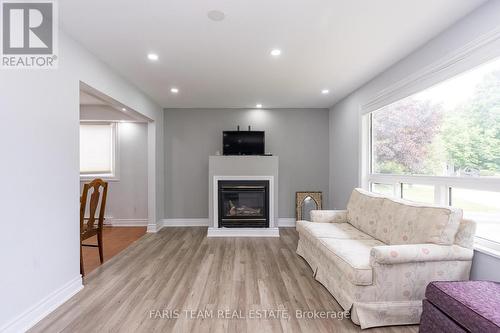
(469, 306)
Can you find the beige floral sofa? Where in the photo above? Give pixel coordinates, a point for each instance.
(377, 257)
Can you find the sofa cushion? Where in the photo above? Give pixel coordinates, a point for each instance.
(465, 234)
(329, 216)
(405, 222)
(330, 230)
(363, 210)
(396, 222)
(407, 253)
(351, 257)
(472, 304)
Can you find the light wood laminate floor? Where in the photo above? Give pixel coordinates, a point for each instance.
(153, 285)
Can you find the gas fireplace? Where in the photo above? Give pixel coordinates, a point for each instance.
(243, 204)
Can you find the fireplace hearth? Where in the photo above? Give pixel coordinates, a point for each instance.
(243, 203)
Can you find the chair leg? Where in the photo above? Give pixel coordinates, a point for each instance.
(99, 243)
(82, 272)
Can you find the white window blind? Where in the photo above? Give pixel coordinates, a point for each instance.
(96, 149)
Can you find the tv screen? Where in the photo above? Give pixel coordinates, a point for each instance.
(243, 142)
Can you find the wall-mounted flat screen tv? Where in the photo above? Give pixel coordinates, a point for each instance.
(243, 143)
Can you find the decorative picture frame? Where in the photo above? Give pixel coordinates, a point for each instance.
(307, 201)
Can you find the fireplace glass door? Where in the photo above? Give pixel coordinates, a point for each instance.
(243, 204)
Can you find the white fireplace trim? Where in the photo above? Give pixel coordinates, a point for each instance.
(283, 222)
(243, 232)
(271, 198)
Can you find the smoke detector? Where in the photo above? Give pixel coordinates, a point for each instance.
(216, 15)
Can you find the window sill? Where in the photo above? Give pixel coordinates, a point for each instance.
(108, 178)
(487, 247)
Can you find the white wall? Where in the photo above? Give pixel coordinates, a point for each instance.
(128, 197)
(345, 115)
(127, 200)
(39, 121)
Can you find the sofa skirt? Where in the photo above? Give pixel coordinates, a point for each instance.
(356, 299)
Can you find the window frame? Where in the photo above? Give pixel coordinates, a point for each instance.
(479, 50)
(115, 165)
(442, 184)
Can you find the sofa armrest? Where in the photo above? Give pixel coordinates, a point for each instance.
(399, 254)
(329, 216)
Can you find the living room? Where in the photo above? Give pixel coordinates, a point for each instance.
(298, 166)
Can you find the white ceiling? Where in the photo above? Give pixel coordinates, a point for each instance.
(334, 44)
(94, 105)
(88, 99)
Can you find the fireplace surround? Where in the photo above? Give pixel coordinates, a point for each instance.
(254, 170)
(243, 203)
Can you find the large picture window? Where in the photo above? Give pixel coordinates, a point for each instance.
(451, 129)
(442, 145)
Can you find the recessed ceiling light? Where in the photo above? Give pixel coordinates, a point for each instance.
(325, 91)
(153, 57)
(216, 15)
(174, 90)
(123, 109)
(276, 52)
(258, 106)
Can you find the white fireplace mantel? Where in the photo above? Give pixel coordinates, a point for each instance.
(243, 168)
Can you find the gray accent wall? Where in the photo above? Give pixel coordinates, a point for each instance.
(485, 267)
(298, 136)
(345, 116)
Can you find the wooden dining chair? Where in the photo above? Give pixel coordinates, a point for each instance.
(92, 225)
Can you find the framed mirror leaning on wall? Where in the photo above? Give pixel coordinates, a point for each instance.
(305, 202)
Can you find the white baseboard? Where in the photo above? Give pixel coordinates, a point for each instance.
(204, 222)
(37, 312)
(286, 222)
(152, 228)
(201, 222)
(126, 222)
(243, 232)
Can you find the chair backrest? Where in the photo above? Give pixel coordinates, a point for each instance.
(97, 189)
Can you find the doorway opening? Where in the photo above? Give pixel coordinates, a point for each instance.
(114, 149)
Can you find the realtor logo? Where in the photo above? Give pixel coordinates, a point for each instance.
(29, 34)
